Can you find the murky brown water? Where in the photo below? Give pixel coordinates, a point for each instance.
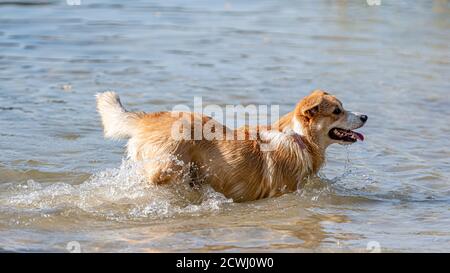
(60, 181)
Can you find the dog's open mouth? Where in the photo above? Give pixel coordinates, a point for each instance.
(345, 135)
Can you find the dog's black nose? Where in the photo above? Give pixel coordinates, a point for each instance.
(363, 118)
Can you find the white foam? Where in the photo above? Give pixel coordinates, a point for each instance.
(121, 194)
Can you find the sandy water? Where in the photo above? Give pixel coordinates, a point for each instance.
(61, 182)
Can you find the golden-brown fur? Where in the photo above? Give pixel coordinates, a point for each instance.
(240, 169)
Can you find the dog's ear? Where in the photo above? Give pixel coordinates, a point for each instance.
(310, 105)
(312, 111)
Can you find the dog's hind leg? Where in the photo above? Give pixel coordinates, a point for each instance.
(167, 169)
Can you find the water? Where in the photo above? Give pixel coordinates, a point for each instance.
(61, 182)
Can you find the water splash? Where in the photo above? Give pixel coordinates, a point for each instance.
(364, 184)
(118, 194)
(317, 187)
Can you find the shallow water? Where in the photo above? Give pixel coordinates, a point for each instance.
(61, 182)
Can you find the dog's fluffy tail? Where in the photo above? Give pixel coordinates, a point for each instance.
(117, 122)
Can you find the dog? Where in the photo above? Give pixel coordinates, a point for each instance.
(239, 169)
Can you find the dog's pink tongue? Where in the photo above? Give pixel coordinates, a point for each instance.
(359, 136)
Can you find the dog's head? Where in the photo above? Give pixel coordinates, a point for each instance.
(322, 118)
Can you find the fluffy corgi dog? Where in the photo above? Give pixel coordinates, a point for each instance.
(243, 164)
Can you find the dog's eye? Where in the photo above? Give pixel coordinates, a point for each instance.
(337, 111)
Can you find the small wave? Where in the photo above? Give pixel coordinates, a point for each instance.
(358, 185)
(27, 2)
(124, 194)
(363, 185)
(119, 194)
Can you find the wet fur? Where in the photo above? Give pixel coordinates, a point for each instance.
(239, 169)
